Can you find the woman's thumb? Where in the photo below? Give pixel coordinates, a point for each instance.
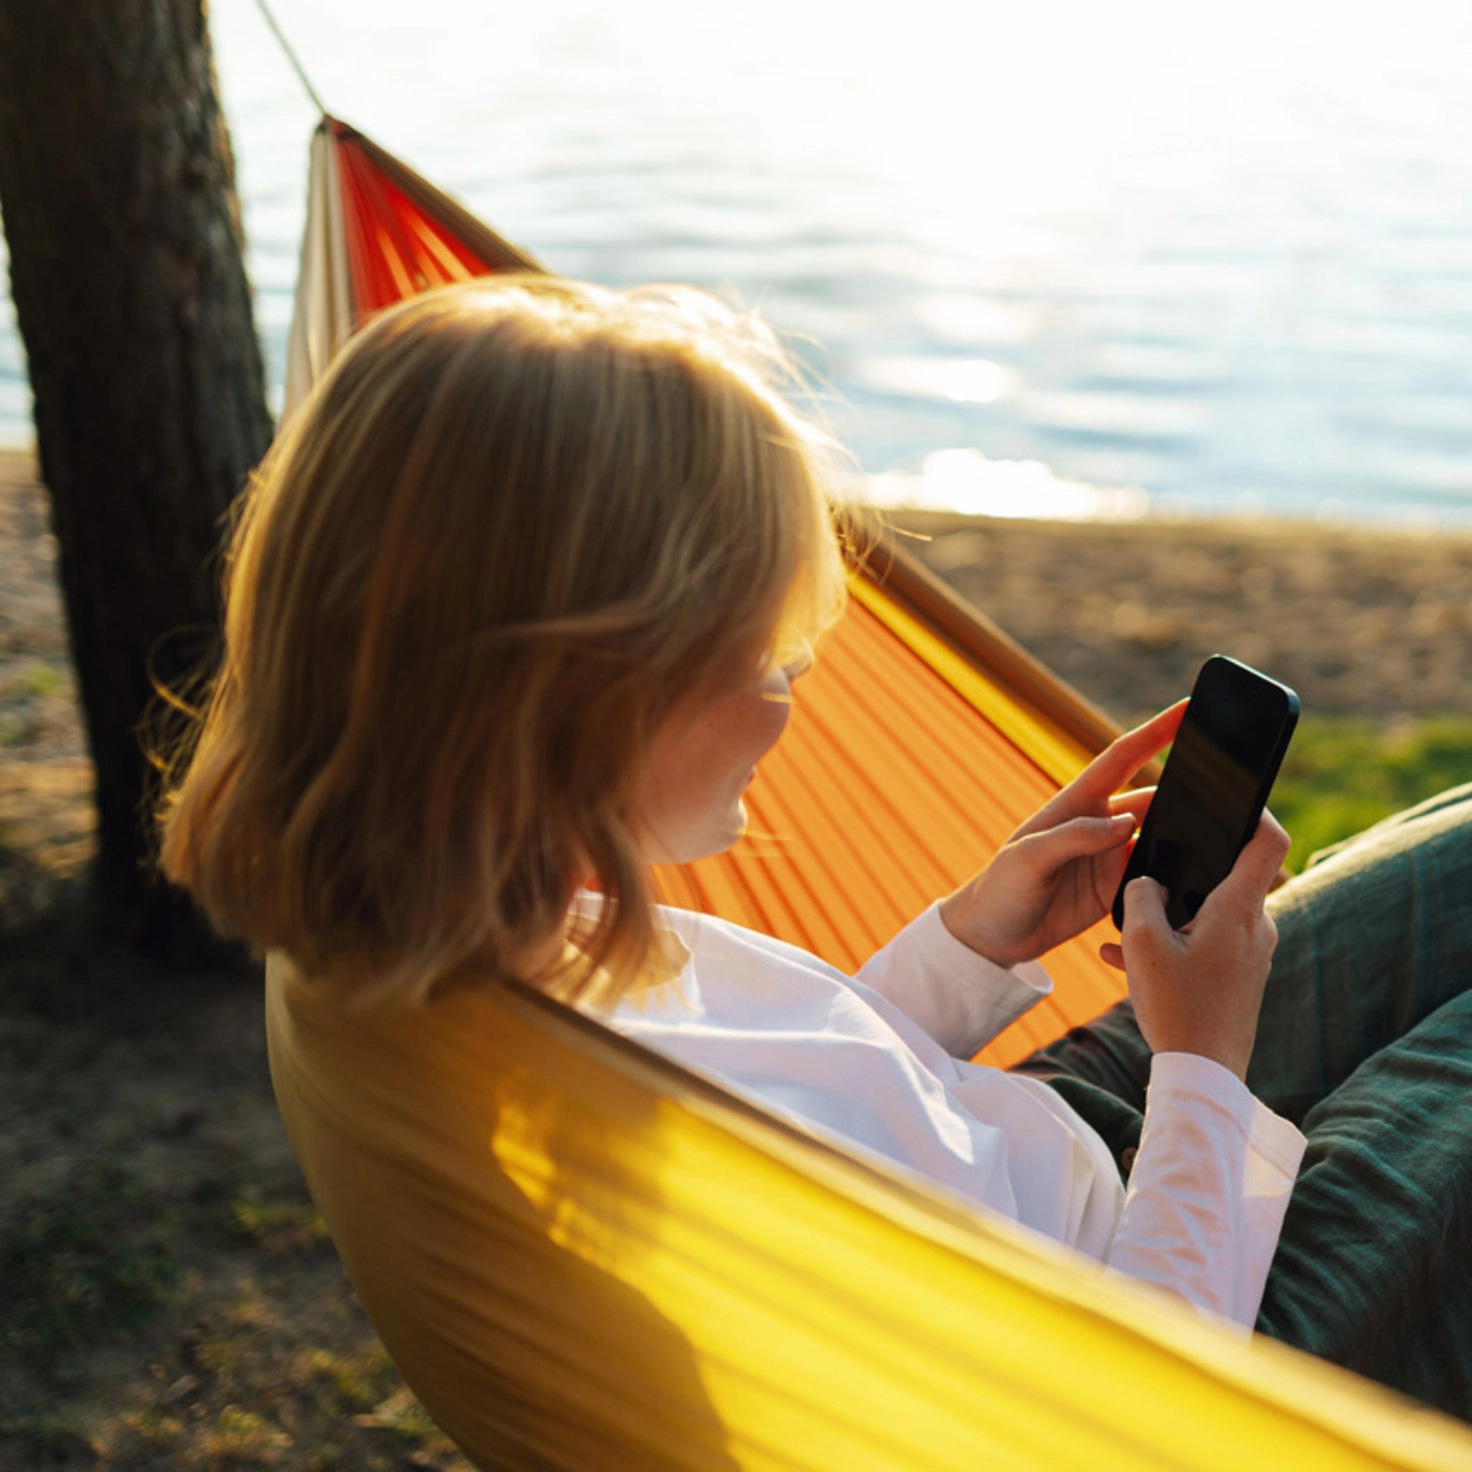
(1144, 909)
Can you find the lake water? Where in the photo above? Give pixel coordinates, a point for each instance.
(1086, 260)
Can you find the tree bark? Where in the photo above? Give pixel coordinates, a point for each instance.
(118, 199)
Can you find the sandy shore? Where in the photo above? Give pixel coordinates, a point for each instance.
(1372, 623)
(1378, 624)
(46, 819)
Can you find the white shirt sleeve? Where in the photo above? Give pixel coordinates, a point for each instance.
(961, 999)
(879, 1061)
(1209, 1188)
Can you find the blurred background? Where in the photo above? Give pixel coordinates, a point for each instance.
(1060, 259)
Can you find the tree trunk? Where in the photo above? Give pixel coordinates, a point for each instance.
(117, 193)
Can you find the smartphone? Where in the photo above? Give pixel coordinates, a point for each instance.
(1214, 787)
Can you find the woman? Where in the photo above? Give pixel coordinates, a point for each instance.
(513, 611)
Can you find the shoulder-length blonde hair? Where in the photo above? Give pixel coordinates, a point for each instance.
(518, 522)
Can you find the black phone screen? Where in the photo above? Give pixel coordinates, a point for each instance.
(1215, 784)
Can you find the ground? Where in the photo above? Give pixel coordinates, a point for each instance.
(1375, 624)
(168, 1298)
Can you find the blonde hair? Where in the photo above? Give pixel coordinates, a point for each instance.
(516, 524)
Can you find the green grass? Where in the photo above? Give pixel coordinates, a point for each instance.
(40, 680)
(93, 1258)
(277, 1225)
(1344, 773)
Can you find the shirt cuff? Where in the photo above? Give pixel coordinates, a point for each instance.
(1208, 1190)
(1190, 1076)
(960, 998)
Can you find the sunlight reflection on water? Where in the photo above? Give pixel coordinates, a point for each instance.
(968, 482)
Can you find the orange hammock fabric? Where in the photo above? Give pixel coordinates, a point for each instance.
(888, 789)
(920, 740)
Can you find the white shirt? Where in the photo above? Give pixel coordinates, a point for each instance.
(878, 1060)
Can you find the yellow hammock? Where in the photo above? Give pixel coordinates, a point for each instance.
(582, 1256)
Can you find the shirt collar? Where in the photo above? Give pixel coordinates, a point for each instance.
(667, 965)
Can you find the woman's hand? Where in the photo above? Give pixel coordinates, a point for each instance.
(1199, 990)
(1057, 873)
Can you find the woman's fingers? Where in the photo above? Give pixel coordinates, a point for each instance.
(1049, 850)
(1097, 786)
(1135, 802)
(1124, 756)
(1109, 771)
